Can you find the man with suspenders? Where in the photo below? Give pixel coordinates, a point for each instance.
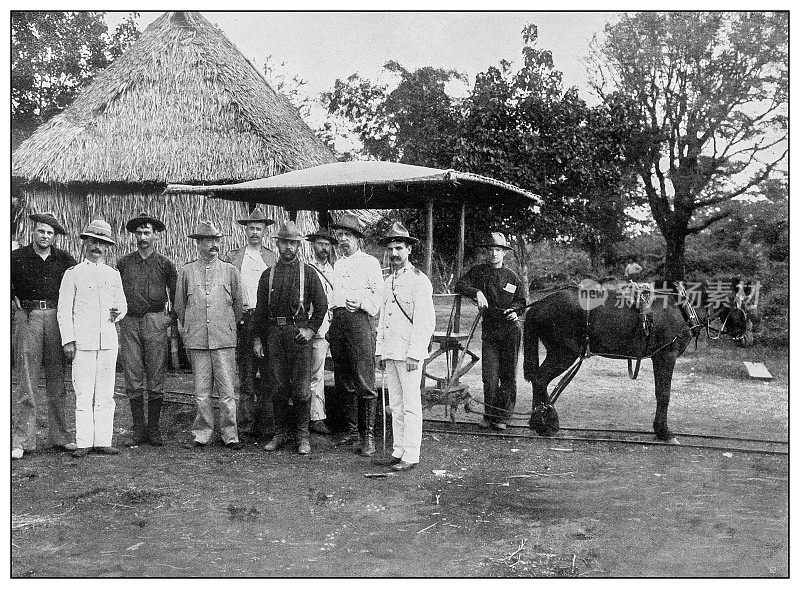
(291, 305)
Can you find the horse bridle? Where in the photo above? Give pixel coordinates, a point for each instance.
(720, 330)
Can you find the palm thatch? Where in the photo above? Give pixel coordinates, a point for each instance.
(182, 105)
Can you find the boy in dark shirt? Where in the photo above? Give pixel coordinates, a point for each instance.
(498, 294)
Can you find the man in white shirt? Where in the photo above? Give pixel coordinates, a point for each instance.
(356, 300)
(322, 243)
(90, 301)
(404, 335)
(254, 412)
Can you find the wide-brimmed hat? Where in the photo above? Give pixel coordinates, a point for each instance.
(397, 232)
(322, 234)
(289, 231)
(349, 222)
(205, 229)
(257, 216)
(98, 229)
(50, 219)
(494, 239)
(144, 219)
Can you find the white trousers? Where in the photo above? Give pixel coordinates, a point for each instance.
(319, 350)
(405, 401)
(93, 375)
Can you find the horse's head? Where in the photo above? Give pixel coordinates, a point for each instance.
(732, 319)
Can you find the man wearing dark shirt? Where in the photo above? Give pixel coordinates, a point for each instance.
(36, 272)
(148, 279)
(498, 293)
(291, 305)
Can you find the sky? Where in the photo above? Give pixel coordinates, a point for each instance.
(320, 47)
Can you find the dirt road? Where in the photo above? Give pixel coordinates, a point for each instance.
(474, 507)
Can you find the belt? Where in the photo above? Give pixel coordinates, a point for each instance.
(40, 304)
(299, 321)
(344, 309)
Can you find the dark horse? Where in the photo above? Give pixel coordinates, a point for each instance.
(620, 326)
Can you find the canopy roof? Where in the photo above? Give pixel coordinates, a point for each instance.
(367, 185)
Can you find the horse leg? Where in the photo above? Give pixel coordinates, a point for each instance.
(544, 418)
(663, 367)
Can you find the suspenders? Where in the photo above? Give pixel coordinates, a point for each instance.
(302, 288)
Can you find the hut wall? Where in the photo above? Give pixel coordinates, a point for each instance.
(180, 213)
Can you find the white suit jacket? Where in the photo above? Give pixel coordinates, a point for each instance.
(88, 292)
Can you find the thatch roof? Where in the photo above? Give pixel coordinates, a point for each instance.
(181, 105)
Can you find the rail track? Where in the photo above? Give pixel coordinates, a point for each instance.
(582, 434)
(614, 436)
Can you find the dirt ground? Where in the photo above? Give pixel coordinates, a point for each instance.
(475, 506)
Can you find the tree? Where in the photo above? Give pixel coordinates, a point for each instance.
(53, 56)
(706, 97)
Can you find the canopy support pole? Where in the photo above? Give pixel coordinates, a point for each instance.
(459, 269)
(429, 238)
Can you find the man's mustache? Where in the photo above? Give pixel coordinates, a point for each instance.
(213, 248)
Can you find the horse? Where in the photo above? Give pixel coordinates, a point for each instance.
(612, 323)
(734, 317)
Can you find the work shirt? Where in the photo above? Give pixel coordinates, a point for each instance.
(284, 300)
(37, 279)
(358, 276)
(501, 287)
(407, 315)
(88, 292)
(252, 268)
(147, 281)
(208, 302)
(326, 279)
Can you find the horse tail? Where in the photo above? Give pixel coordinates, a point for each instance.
(530, 348)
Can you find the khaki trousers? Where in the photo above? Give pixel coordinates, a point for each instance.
(405, 401)
(319, 351)
(143, 343)
(37, 342)
(215, 368)
(93, 374)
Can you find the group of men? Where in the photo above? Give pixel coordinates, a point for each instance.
(251, 317)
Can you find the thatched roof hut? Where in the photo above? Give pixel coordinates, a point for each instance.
(182, 105)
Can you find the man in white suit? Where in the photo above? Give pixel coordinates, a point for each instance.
(90, 302)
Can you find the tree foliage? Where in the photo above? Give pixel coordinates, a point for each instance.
(705, 97)
(54, 55)
(518, 126)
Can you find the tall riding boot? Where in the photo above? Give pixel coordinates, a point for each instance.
(370, 411)
(153, 417)
(302, 410)
(350, 421)
(137, 414)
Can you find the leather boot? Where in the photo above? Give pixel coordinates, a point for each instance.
(370, 411)
(303, 417)
(153, 417)
(137, 414)
(351, 407)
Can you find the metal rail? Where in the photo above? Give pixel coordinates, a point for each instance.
(474, 430)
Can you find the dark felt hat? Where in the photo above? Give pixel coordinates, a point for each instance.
(349, 222)
(257, 216)
(205, 229)
(143, 219)
(494, 239)
(398, 232)
(289, 231)
(50, 219)
(322, 234)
